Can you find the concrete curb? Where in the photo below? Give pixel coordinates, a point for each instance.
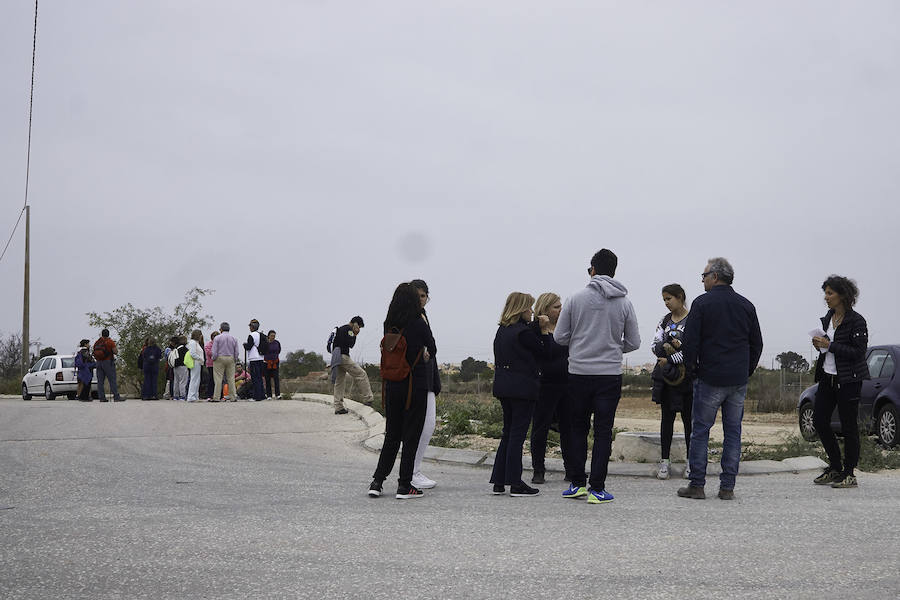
(460, 456)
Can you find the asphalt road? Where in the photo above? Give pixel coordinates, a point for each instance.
(268, 500)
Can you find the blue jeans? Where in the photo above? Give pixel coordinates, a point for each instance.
(707, 400)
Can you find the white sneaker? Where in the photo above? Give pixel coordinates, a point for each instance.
(663, 471)
(687, 470)
(422, 482)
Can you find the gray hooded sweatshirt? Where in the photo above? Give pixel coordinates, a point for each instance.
(598, 325)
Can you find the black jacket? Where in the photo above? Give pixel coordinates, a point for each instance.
(517, 349)
(722, 339)
(418, 336)
(343, 339)
(554, 368)
(851, 338)
(434, 384)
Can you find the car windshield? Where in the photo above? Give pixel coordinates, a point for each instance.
(68, 363)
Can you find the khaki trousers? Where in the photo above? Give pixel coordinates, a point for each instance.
(348, 367)
(224, 366)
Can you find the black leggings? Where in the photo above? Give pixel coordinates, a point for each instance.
(667, 425)
(845, 396)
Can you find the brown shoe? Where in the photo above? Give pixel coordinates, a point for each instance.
(726, 494)
(692, 491)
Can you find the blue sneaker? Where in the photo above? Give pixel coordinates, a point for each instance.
(601, 497)
(575, 491)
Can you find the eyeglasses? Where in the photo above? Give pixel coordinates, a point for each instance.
(590, 269)
(703, 275)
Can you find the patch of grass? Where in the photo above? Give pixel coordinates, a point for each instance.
(790, 446)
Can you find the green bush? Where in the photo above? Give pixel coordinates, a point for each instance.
(11, 385)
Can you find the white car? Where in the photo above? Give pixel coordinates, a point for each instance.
(53, 376)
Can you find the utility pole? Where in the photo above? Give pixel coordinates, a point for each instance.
(26, 358)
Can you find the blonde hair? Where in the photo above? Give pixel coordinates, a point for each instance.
(516, 304)
(544, 302)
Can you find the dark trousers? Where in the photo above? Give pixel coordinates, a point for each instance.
(151, 377)
(256, 378)
(667, 424)
(552, 399)
(846, 397)
(106, 370)
(270, 375)
(211, 385)
(517, 415)
(85, 390)
(596, 395)
(402, 426)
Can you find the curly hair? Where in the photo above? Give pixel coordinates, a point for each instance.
(843, 287)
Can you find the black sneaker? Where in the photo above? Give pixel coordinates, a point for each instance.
(499, 488)
(375, 489)
(523, 490)
(342, 411)
(828, 477)
(404, 493)
(538, 477)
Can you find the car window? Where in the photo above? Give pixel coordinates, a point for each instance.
(42, 365)
(68, 363)
(51, 363)
(876, 360)
(887, 369)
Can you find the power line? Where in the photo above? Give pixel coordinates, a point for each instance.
(28, 147)
(31, 102)
(16, 226)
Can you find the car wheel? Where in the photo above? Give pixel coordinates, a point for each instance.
(48, 392)
(25, 394)
(887, 425)
(807, 428)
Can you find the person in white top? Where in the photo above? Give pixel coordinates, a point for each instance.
(195, 347)
(255, 361)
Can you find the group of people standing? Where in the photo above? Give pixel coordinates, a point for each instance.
(565, 359)
(194, 369)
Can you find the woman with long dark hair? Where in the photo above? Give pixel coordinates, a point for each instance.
(517, 348)
(840, 371)
(406, 399)
(672, 388)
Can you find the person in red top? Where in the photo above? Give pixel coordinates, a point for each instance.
(105, 351)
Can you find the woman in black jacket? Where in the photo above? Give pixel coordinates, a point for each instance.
(552, 392)
(404, 400)
(840, 371)
(517, 348)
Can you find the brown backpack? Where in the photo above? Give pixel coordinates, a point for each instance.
(394, 366)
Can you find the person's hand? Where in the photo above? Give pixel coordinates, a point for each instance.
(544, 323)
(821, 342)
(426, 355)
(661, 361)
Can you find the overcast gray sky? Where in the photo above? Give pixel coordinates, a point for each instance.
(309, 156)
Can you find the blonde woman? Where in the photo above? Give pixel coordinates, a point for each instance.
(552, 391)
(517, 349)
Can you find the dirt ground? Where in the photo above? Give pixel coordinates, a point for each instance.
(640, 414)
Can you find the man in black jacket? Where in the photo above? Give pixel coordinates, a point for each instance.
(345, 338)
(722, 344)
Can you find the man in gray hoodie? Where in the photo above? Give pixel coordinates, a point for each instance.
(598, 325)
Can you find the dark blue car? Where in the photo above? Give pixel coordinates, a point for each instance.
(879, 402)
